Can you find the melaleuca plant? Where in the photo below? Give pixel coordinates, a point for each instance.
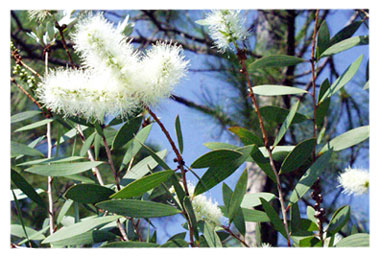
(95, 114)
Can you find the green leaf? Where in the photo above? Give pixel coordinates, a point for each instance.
(129, 244)
(276, 90)
(89, 237)
(87, 144)
(345, 33)
(126, 132)
(253, 200)
(323, 39)
(52, 160)
(21, 195)
(220, 169)
(250, 215)
(219, 145)
(88, 193)
(227, 193)
(78, 228)
(356, 240)
(175, 243)
(34, 125)
(65, 208)
(179, 134)
(347, 139)
(246, 136)
(288, 121)
(343, 79)
(310, 176)
(134, 146)
(210, 235)
(366, 86)
(216, 158)
(18, 231)
(322, 107)
(21, 149)
(274, 61)
(278, 115)
(22, 184)
(274, 219)
(62, 169)
(345, 45)
(263, 162)
(157, 158)
(237, 195)
(71, 134)
(24, 116)
(140, 186)
(190, 212)
(137, 209)
(298, 156)
(142, 168)
(339, 219)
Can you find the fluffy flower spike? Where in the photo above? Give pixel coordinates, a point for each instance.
(354, 181)
(226, 26)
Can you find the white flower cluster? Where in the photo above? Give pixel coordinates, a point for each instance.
(226, 26)
(354, 181)
(117, 79)
(204, 208)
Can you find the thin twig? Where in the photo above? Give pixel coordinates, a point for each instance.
(181, 163)
(242, 57)
(110, 162)
(60, 29)
(235, 236)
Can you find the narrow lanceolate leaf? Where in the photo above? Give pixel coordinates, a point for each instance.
(323, 39)
(65, 208)
(250, 215)
(339, 219)
(179, 134)
(52, 160)
(129, 244)
(62, 169)
(34, 125)
(87, 144)
(158, 159)
(21, 149)
(347, 139)
(366, 86)
(215, 157)
(253, 200)
(219, 170)
(210, 235)
(237, 195)
(88, 193)
(71, 134)
(140, 186)
(134, 145)
(274, 61)
(310, 176)
(190, 212)
(219, 145)
(239, 221)
(356, 240)
(276, 90)
(273, 216)
(89, 237)
(24, 116)
(345, 45)
(263, 162)
(79, 228)
(246, 136)
(137, 209)
(25, 187)
(286, 124)
(298, 156)
(18, 231)
(343, 79)
(322, 108)
(142, 168)
(126, 132)
(345, 33)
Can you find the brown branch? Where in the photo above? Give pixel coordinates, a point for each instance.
(235, 236)
(110, 162)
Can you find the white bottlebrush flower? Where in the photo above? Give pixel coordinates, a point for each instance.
(266, 245)
(85, 93)
(354, 181)
(39, 15)
(104, 48)
(204, 208)
(226, 26)
(161, 69)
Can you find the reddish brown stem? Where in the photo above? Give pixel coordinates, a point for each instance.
(110, 162)
(60, 29)
(235, 236)
(242, 57)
